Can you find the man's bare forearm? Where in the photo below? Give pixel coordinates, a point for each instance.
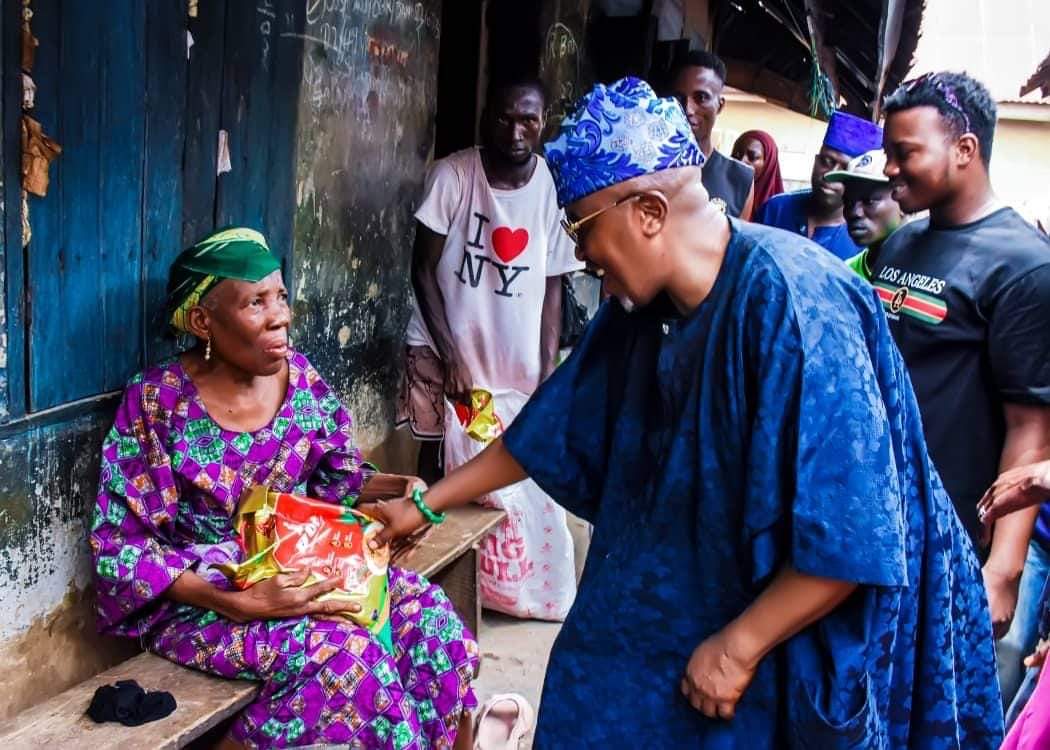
(1027, 442)
(432, 307)
(792, 602)
(1010, 542)
(426, 254)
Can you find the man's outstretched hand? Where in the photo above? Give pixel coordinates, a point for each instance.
(1016, 489)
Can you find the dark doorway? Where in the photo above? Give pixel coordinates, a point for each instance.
(458, 62)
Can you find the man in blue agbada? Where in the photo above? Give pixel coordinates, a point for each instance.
(775, 563)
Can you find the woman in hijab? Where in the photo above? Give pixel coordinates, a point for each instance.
(758, 149)
(241, 409)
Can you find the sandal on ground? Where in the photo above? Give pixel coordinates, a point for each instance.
(502, 721)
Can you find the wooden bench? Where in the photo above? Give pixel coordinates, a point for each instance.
(448, 556)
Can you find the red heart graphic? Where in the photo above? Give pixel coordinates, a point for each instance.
(509, 243)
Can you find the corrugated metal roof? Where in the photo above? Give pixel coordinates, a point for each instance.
(771, 39)
(1040, 79)
(998, 42)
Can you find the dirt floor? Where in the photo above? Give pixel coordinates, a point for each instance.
(514, 658)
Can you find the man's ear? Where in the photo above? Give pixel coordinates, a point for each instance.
(967, 149)
(652, 206)
(721, 104)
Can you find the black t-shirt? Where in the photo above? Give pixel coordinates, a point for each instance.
(969, 307)
(727, 180)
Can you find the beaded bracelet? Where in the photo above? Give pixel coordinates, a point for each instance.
(431, 516)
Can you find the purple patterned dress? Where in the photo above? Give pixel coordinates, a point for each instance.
(171, 478)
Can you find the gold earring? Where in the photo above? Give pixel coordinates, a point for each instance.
(207, 350)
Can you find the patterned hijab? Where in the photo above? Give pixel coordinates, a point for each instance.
(236, 253)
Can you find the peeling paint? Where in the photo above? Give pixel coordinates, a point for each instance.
(36, 663)
(47, 484)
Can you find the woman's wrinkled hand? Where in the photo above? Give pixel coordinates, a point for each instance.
(1013, 490)
(284, 595)
(717, 677)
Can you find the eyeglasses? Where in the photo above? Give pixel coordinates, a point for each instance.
(947, 94)
(572, 228)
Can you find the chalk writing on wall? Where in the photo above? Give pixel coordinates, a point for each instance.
(266, 14)
(561, 70)
(366, 113)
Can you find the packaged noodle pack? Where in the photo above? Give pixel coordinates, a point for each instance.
(281, 533)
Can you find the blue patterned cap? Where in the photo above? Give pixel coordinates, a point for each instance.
(852, 135)
(616, 133)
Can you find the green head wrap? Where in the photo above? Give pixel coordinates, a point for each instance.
(236, 253)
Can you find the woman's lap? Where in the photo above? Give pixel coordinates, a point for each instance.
(330, 680)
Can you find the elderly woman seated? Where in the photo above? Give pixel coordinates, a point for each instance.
(191, 435)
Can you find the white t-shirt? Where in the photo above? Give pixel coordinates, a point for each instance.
(500, 247)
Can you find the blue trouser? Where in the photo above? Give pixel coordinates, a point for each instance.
(1023, 635)
(1031, 678)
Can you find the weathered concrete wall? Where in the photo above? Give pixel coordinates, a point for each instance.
(57, 650)
(3, 319)
(366, 118)
(47, 486)
(564, 67)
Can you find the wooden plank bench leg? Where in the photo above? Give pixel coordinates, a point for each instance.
(460, 582)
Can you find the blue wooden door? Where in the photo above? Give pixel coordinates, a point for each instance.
(137, 109)
(84, 262)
